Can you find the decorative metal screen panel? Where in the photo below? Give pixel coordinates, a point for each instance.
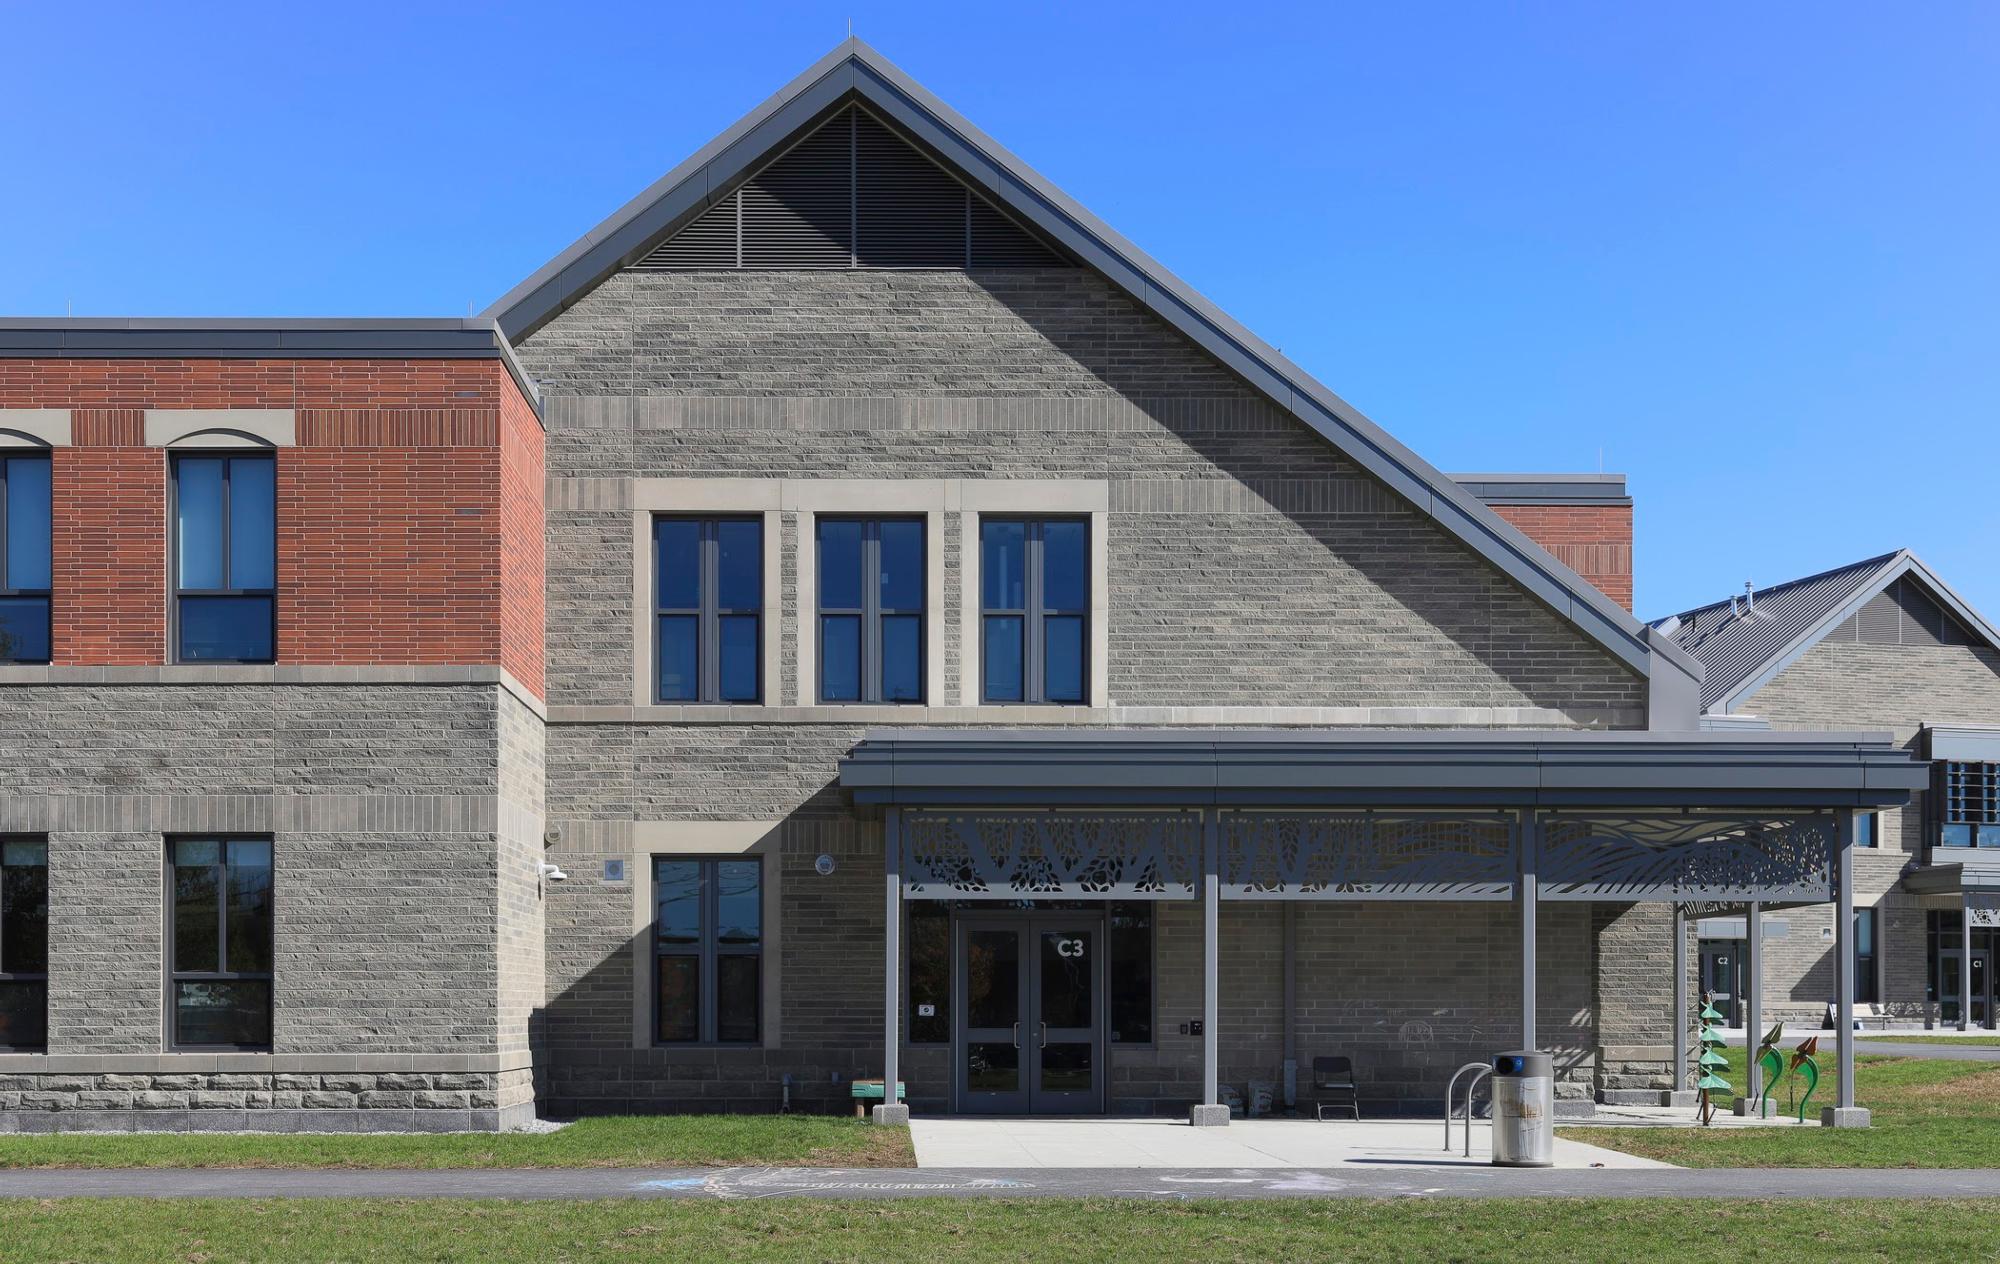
(1984, 910)
(1687, 858)
(1367, 856)
(1051, 855)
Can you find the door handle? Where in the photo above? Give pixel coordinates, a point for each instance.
(1045, 1035)
(1017, 1035)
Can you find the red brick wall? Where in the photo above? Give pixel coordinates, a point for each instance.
(1595, 541)
(409, 513)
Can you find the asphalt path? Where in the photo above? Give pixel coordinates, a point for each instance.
(1470, 1180)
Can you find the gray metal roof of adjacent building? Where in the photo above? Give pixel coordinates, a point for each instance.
(1546, 489)
(1742, 648)
(854, 71)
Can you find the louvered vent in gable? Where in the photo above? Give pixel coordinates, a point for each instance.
(799, 212)
(852, 194)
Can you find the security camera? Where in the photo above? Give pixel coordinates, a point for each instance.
(553, 873)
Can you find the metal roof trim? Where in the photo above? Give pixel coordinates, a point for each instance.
(1010, 183)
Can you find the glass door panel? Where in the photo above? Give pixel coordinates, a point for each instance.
(1068, 1015)
(995, 992)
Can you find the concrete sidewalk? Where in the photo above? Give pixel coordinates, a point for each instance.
(1133, 1144)
(1473, 1180)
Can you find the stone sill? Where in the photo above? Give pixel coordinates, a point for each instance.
(1353, 717)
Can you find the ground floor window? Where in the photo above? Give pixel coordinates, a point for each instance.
(708, 951)
(24, 944)
(1864, 957)
(927, 930)
(220, 932)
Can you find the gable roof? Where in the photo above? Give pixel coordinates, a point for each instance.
(854, 71)
(1741, 653)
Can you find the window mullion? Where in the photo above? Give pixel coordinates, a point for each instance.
(1036, 684)
(711, 906)
(222, 909)
(707, 650)
(226, 464)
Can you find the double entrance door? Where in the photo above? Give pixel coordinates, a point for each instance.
(1029, 1034)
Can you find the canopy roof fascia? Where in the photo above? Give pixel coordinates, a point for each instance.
(854, 71)
(1381, 768)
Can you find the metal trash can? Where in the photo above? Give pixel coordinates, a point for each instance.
(1524, 1109)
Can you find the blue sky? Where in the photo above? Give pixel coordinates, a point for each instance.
(1746, 252)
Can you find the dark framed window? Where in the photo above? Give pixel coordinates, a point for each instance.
(708, 951)
(219, 929)
(225, 558)
(26, 518)
(927, 928)
(871, 610)
(1034, 583)
(1132, 973)
(24, 944)
(1864, 956)
(708, 598)
(1969, 804)
(1865, 833)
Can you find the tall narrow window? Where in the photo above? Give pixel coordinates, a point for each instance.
(871, 610)
(1864, 956)
(219, 895)
(225, 551)
(708, 586)
(708, 951)
(1035, 609)
(1864, 830)
(24, 944)
(25, 520)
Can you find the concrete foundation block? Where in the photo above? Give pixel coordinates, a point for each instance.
(1747, 1108)
(896, 1115)
(1679, 1097)
(1208, 1116)
(1844, 1117)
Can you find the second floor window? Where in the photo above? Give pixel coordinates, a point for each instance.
(708, 585)
(871, 610)
(225, 558)
(24, 944)
(219, 896)
(1970, 805)
(24, 559)
(1034, 609)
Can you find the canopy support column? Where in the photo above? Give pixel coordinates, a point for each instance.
(1845, 1114)
(1211, 1113)
(1680, 1044)
(1753, 1009)
(892, 1110)
(1964, 962)
(1528, 892)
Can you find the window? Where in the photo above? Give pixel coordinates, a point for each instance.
(1864, 956)
(220, 943)
(708, 951)
(708, 586)
(927, 930)
(1864, 830)
(871, 610)
(1970, 802)
(25, 519)
(225, 547)
(24, 944)
(1132, 973)
(1035, 609)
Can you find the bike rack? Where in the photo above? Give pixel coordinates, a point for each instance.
(1482, 1070)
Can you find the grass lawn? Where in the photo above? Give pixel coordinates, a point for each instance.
(619, 1141)
(1989, 1042)
(219, 1232)
(1927, 1113)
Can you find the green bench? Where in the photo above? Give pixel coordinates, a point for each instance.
(866, 1091)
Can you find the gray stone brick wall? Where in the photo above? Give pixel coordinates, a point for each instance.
(1249, 564)
(385, 804)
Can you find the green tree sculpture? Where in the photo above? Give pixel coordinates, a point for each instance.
(1709, 1063)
